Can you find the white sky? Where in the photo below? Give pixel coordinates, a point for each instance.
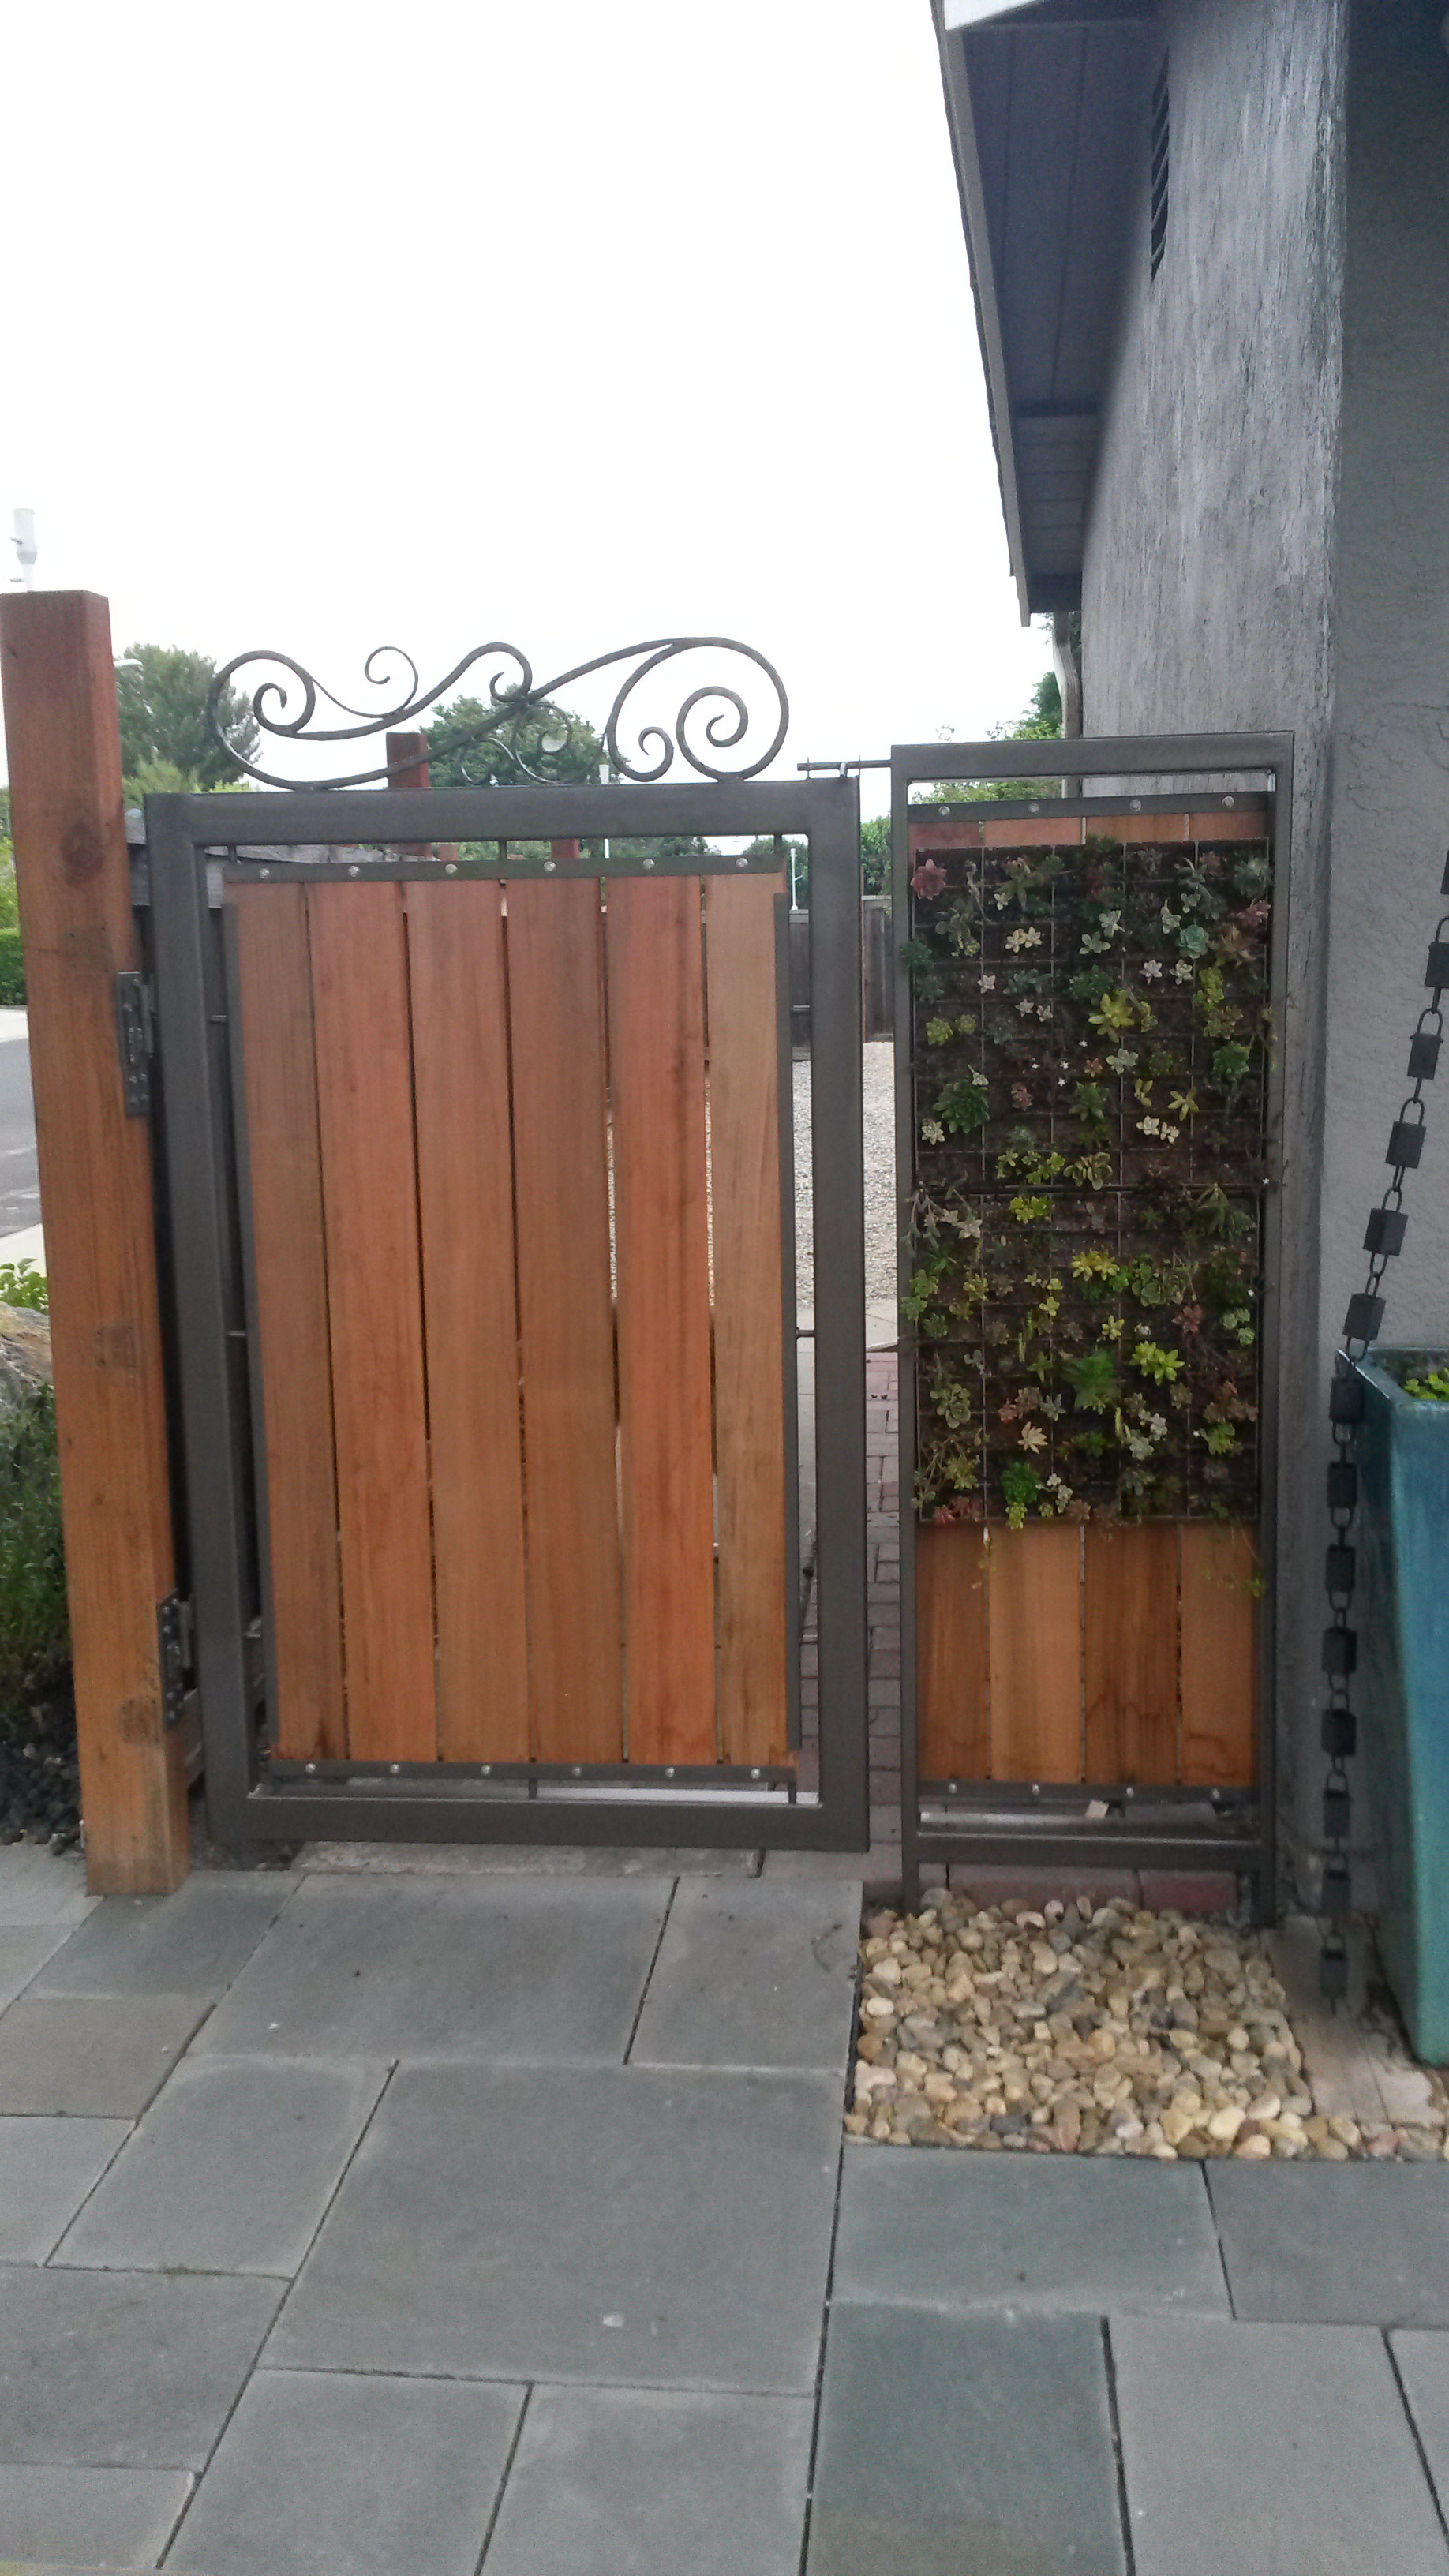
(563, 323)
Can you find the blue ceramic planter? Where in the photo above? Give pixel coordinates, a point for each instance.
(1402, 1615)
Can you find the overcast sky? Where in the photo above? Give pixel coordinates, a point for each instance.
(568, 324)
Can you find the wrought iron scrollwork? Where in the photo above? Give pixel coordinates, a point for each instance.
(286, 701)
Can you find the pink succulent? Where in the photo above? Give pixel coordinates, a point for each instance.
(928, 879)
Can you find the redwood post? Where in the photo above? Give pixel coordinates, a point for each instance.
(73, 882)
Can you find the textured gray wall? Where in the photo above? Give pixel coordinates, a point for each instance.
(1208, 600)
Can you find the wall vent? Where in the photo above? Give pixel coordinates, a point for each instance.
(1161, 136)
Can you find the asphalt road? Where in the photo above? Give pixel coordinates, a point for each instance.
(19, 1180)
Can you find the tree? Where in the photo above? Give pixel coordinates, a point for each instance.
(875, 854)
(548, 739)
(164, 727)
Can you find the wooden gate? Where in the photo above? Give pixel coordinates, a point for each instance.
(483, 1164)
(1089, 1075)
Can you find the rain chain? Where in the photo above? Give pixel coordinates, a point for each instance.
(1387, 1227)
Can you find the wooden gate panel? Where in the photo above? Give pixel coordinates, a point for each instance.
(470, 1306)
(556, 1042)
(289, 1275)
(1219, 1656)
(1034, 1581)
(951, 1654)
(374, 1292)
(661, 1218)
(1130, 1623)
(750, 1443)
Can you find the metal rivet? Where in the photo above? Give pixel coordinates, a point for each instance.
(578, 1770)
(1230, 800)
(754, 1775)
(311, 1767)
(647, 863)
(450, 867)
(548, 866)
(266, 872)
(742, 863)
(1033, 809)
(352, 872)
(1136, 802)
(486, 1770)
(668, 1770)
(395, 1768)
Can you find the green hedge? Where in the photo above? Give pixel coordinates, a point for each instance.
(12, 969)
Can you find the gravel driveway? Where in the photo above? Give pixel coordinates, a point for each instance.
(880, 1178)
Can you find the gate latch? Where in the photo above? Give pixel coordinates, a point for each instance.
(173, 1630)
(135, 1042)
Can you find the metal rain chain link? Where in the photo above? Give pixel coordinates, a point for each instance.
(1387, 1227)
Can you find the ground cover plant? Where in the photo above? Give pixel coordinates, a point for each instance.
(39, 1780)
(1091, 1046)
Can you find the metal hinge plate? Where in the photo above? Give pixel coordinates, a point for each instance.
(173, 1630)
(135, 1042)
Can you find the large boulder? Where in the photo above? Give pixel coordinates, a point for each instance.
(24, 1354)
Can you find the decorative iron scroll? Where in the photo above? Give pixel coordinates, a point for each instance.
(652, 748)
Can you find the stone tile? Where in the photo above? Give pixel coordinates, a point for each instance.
(24, 1949)
(515, 1860)
(1032, 2232)
(39, 1886)
(92, 2057)
(448, 1968)
(1423, 2362)
(231, 2169)
(1336, 2244)
(89, 2517)
(46, 2169)
(1268, 2447)
(321, 2472)
(124, 2369)
(191, 1943)
(616, 2481)
(631, 2225)
(951, 2445)
(759, 1975)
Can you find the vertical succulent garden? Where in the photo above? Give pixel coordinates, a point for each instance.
(1091, 1040)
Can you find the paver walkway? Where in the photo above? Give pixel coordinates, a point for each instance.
(449, 2219)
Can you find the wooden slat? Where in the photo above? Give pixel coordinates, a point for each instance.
(744, 1150)
(653, 942)
(73, 881)
(1034, 1611)
(1130, 1621)
(1239, 823)
(369, 1191)
(951, 1719)
(465, 1198)
(1219, 1655)
(289, 1270)
(561, 1192)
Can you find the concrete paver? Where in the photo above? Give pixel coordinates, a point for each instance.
(92, 2057)
(318, 2473)
(955, 2444)
(631, 2225)
(1026, 2232)
(1360, 2244)
(123, 2369)
(191, 1943)
(756, 1975)
(230, 2171)
(1423, 2366)
(90, 2517)
(1267, 2446)
(448, 1968)
(46, 2169)
(24, 1949)
(38, 1886)
(617, 2482)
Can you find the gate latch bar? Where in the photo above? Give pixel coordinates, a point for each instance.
(135, 1042)
(173, 1630)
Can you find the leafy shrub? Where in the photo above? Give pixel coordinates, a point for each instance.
(1431, 1389)
(12, 969)
(34, 1624)
(21, 1284)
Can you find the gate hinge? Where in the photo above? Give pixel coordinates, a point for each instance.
(173, 1630)
(135, 1041)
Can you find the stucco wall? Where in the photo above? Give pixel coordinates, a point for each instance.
(1208, 598)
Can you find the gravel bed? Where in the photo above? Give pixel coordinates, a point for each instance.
(878, 1063)
(1106, 2032)
(39, 1777)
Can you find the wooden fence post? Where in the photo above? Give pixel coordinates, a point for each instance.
(73, 882)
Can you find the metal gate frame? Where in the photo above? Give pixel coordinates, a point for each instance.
(194, 844)
(1043, 1826)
